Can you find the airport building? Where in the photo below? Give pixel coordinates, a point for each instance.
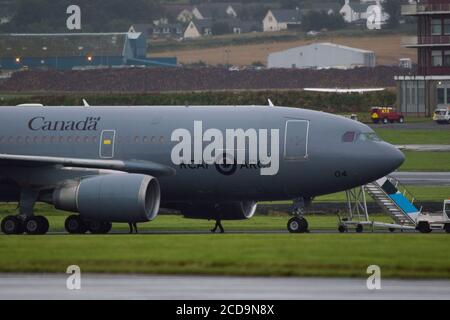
(428, 88)
(322, 56)
(65, 51)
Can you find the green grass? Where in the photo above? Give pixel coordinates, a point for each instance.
(399, 136)
(340, 255)
(426, 161)
(325, 255)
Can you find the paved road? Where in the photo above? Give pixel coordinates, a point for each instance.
(213, 288)
(425, 147)
(423, 178)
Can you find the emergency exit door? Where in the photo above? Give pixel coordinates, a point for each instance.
(296, 140)
(107, 144)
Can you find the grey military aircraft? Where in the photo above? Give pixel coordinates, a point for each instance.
(121, 164)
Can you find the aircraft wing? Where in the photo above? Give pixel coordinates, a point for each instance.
(337, 90)
(131, 166)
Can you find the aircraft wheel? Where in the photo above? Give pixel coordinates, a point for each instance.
(75, 225)
(99, 227)
(297, 225)
(447, 227)
(11, 225)
(392, 230)
(342, 228)
(44, 224)
(359, 228)
(423, 227)
(385, 120)
(401, 120)
(36, 225)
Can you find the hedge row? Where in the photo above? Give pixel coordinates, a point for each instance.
(329, 102)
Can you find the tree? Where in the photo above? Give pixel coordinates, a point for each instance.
(393, 9)
(315, 20)
(220, 28)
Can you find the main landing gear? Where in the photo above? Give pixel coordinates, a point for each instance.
(298, 223)
(76, 225)
(25, 221)
(18, 224)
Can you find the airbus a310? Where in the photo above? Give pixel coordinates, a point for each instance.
(122, 164)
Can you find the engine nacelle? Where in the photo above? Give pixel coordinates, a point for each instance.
(226, 211)
(112, 198)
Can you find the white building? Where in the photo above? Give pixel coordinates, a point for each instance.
(198, 28)
(277, 20)
(357, 11)
(322, 55)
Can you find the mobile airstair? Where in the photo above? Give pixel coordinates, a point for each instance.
(392, 197)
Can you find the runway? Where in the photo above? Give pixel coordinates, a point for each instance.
(423, 178)
(424, 147)
(135, 287)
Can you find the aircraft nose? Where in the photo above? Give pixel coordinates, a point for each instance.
(394, 157)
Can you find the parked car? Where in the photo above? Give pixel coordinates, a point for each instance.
(386, 114)
(442, 116)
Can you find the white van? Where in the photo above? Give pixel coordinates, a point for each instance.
(442, 116)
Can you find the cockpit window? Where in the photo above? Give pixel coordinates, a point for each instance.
(368, 136)
(349, 136)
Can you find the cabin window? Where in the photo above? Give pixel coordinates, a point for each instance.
(153, 139)
(348, 136)
(161, 140)
(146, 139)
(136, 139)
(369, 136)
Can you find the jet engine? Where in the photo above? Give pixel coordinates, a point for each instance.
(226, 211)
(112, 198)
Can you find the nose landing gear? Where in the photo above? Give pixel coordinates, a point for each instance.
(298, 223)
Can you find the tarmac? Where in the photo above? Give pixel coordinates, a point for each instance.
(138, 287)
(423, 178)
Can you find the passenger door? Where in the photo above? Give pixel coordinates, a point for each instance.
(107, 144)
(296, 140)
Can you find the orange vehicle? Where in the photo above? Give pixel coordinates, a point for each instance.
(386, 114)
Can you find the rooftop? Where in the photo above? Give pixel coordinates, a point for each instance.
(287, 15)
